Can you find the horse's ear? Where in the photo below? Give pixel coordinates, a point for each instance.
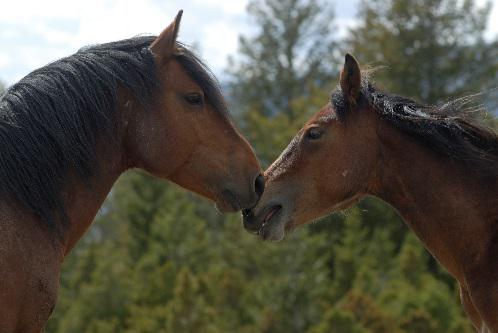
(351, 81)
(164, 44)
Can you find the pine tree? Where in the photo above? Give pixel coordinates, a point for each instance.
(292, 49)
(283, 72)
(433, 50)
(159, 259)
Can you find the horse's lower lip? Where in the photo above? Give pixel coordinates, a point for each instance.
(271, 213)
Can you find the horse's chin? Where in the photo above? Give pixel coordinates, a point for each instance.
(224, 208)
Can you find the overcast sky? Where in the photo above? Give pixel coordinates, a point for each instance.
(35, 32)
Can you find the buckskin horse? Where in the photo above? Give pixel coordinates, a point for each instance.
(69, 129)
(434, 165)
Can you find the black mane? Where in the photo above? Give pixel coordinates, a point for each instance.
(51, 119)
(450, 129)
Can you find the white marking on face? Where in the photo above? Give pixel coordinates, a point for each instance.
(327, 115)
(328, 118)
(285, 160)
(345, 173)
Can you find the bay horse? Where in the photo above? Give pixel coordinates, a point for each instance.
(436, 166)
(69, 129)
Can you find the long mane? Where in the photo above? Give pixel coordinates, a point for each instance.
(51, 119)
(450, 129)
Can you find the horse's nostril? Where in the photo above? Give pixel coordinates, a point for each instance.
(259, 185)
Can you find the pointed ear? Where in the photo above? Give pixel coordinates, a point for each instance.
(351, 81)
(164, 44)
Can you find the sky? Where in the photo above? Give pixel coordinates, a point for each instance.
(35, 32)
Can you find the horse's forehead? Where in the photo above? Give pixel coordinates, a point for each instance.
(326, 115)
(175, 77)
(174, 70)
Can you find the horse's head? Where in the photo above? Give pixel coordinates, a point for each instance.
(326, 167)
(186, 135)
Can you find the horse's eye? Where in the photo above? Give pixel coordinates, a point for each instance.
(194, 99)
(314, 133)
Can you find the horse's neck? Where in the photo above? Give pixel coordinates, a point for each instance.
(441, 200)
(83, 199)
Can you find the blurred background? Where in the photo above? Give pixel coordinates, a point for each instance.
(159, 259)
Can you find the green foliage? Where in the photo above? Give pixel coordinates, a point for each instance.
(336, 320)
(433, 50)
(158, 259)
(279, 77)
(418, 321)
(194, 275)
(291, 51)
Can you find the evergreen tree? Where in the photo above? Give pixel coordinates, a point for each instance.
(292, 49)
(280, 72)
(433, 50)
(158, 259)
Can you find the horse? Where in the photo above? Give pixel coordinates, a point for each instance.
(436, 165)
(69, 129)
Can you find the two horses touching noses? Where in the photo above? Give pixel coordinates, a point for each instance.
(434, 165)
(69, 129)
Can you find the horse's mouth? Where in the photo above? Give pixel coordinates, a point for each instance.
(269, 225)
(274, 224)
(271, 214)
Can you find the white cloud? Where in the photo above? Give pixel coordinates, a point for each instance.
(34, 32)
(23, 11)
(231, 7)
(4, 60)
(37, 32)
(121, 19)
(493, 22)
(219, 41)
(343, 24)
(492, 31)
